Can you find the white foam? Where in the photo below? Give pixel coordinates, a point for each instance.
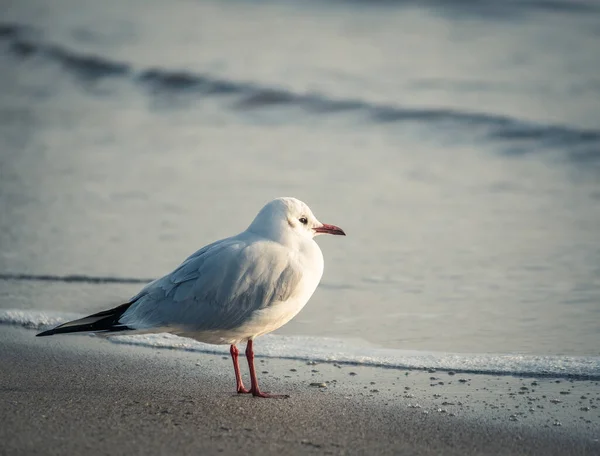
(350, 352)
(35, 319)
(341, 351)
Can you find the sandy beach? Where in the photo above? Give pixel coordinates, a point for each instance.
(81, 394)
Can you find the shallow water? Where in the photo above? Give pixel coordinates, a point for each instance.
(458, 146)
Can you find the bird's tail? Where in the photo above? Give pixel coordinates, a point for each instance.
(107, 320)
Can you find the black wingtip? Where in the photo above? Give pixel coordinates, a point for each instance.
(105, 321)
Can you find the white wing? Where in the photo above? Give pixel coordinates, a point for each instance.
(218, 287)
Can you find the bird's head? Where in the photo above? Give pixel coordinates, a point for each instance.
(284, 218)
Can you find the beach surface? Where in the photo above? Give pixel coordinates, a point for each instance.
(85, 395)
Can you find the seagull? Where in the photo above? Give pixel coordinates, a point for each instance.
(230, 291)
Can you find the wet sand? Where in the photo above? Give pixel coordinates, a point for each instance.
(86, 395)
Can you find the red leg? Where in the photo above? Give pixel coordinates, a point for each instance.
(254, 386)
(236, 367)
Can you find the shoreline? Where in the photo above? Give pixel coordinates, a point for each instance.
(79, 393)
(347, 352)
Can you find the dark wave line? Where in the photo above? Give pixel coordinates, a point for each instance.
(496, 9)
(23, 44)
(584, 143)
(181, 80)
(89, 66)
(252, 96)
(73, 278)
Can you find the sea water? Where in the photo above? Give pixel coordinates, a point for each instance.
(457, 143)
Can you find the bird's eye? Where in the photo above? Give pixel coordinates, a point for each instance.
(303, 220)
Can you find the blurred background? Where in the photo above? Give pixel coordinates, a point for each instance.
(456, 141)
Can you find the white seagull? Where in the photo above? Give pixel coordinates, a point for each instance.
(230, 291)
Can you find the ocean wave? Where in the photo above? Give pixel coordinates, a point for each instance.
(89, 66)
(518, 135)
(98, 280)
(161, 79)
(339, 351)
(73, 278)
(495, 9)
